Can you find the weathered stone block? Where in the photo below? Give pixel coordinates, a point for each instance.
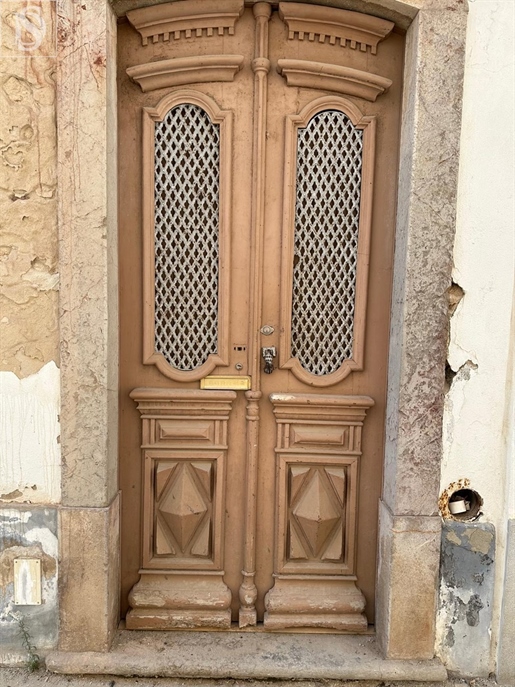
(89, 577)
(407, 584)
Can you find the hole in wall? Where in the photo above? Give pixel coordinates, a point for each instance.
(462, 373)
(460, 502)
(455, 294)
(449, 376)
(465, 504)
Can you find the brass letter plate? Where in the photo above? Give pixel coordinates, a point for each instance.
(235, 382)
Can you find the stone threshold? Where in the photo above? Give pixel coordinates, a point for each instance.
(246, 656)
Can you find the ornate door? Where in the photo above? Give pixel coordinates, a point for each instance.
(257, 166)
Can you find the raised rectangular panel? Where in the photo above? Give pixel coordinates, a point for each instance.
(319, 434)
(178, 431)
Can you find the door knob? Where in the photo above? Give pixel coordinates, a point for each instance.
(269, 353)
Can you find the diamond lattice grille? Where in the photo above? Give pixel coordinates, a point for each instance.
(329, 160)
(186, 188)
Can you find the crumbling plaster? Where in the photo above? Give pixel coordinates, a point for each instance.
(29, 335)
(29, 281)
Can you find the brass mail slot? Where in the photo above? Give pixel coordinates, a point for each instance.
(235, 382)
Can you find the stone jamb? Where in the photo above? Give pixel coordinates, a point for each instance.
(424, 241)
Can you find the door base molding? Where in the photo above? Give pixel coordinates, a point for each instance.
(166, 602)
(309, 601)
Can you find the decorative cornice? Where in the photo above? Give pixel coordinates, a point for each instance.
(179, 71)
(307, 407)
(178, 402)
(350, 29)
(185, 19)
(330, 77)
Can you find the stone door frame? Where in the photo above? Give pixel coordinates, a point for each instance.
(409, 525)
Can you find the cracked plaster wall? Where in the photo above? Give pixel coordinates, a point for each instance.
(29, 336)
(477, 440)
(28, 214)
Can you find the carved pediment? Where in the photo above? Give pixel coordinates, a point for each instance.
(331, 77)
(185, 70)
(348, 29)
(185, 19)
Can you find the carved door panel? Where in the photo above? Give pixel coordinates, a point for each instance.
(258, 157)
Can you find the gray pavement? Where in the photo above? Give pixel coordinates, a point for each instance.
(19, 677)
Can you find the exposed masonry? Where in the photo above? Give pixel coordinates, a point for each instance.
(455, 295)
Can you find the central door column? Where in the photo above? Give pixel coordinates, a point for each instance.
(261, 66)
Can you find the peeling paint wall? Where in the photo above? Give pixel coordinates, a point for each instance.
(476, 440)
(29, 337)
(29, 437)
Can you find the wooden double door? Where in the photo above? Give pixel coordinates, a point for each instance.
(257, 171)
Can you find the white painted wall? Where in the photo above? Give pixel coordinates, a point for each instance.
(30, 457)
(477, 438)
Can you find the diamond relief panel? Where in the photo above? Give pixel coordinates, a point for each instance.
(316, 510)
(184, 499)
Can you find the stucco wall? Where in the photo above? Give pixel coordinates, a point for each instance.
(477, 435)
(29, 337)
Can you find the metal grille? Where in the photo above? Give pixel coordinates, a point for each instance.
(329, 159)
(186, 188)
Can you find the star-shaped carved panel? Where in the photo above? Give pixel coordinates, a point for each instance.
(316, 498)
(184, 495)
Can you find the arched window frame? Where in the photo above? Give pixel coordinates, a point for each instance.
(293, 123)
(224, 119)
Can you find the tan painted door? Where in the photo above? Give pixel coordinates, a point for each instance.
(258, 158)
